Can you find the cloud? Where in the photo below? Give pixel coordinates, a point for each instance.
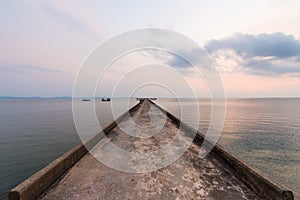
(263, 54)
(181, 62)
(72, 22)
(275, 44)
(26, 68)
(272, 67)
(182, 59)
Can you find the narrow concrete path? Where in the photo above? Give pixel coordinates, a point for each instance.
(187, 178)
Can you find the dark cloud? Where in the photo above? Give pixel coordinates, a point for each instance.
(272, 67)
(180, 61)
(262, 54)
(177, 61)
(275, 44)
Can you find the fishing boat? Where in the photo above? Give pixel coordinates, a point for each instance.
(105, 99)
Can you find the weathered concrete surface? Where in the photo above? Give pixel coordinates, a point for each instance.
(187, 178)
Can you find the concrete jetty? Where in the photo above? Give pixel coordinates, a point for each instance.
(79, 175)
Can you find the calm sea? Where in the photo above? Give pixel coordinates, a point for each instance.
(263, 132)
(34, 132)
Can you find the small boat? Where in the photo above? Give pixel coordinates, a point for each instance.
(105, 99)
(86, 100)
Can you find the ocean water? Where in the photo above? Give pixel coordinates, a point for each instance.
(34, 132)
(263, 132)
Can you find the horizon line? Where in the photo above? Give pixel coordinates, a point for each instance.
(70, 97)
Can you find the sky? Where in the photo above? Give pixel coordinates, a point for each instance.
(255, 45)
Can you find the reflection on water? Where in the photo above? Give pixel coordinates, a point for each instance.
(263, 132)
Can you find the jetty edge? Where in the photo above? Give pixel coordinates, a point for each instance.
(37, 184)
(249, 175)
